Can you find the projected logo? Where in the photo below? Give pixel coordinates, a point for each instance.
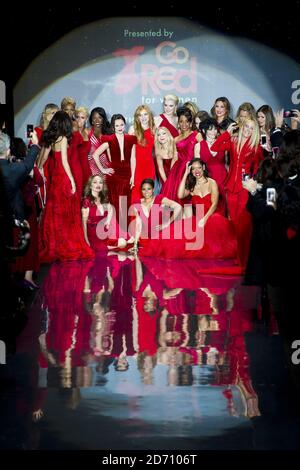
(173, 69)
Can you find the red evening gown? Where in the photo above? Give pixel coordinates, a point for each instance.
(95, 142)
(185, 149)
(216, 241)
(98, 236)
(166, 123)
(144, 164)
(216, 170)
(61, 232)
(118, 183)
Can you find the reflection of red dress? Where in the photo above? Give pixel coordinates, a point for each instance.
(61, 233)
(219, 240)
(165, 123)
(185, 149)
(144, 164)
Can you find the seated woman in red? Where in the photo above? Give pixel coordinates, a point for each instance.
(160, 236)
(98, 217)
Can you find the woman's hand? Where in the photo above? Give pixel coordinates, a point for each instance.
(108, 171)
(131, 182)
(232, 127)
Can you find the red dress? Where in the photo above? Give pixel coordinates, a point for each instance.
(216, 170)
(61, 232)
(185, 149)
(84, 150)
(166, 123)
(246, 160)
(216, 241)
(118, 183)
(144, 164)
(98, 236)
(95, 142)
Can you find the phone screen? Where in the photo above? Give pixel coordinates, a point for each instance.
(263, 139)
(29, 130)
(271, 195)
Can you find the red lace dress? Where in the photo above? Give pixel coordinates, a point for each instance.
(61, 233)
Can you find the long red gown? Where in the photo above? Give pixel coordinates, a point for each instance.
(246, 160)
(185, 149)
(144, 164)
(61, 232)
(218, 235)
(118, 183)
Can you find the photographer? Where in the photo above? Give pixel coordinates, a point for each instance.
(15, 173)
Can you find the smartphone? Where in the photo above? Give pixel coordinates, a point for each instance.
(271, 196)
(287, 113)
(263, 139)
(29, 130)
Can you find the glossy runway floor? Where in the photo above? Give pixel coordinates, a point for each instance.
(124, 353)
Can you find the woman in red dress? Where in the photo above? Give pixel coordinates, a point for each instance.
(215, 161)
(42, 170)
(81, 115)
(245, 157)
(200, 236)
(61, 233)
(185, 143)
(143, 129)
(100, 127)
(165, 152)
(121, 148)
(98, 219)
(169, 118)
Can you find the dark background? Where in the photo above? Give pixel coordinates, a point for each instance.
(31, 28)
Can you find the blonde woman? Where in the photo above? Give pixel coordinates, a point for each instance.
(165, 152)
(143, 128)
(245, 156)
(169, 118)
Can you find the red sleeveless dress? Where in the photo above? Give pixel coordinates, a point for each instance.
(61, 232)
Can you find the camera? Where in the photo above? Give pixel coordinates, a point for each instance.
(246, 177)
(263, 139)
(271, 196)
(29, 130)
(287, 113)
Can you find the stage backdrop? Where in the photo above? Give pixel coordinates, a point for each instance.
(119, 63)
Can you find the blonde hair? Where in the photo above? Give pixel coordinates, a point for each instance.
(192, 107)
(138, 129)
(170, 144)
(171, 97)
(83, 110)
(67, 100)
(49, 107)
(254, 139)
